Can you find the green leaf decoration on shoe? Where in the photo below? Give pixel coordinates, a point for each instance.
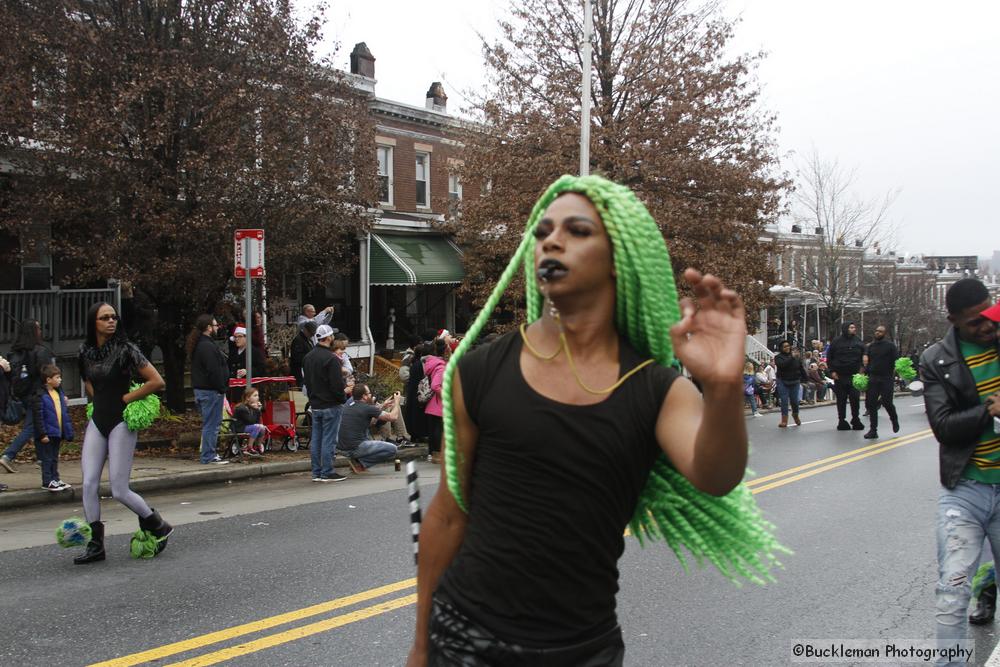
(144, 544)
(73, 532)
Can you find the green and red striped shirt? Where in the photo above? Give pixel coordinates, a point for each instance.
(984, 466)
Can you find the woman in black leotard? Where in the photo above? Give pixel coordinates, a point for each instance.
(108, 362)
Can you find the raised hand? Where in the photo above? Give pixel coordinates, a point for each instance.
(710, 339)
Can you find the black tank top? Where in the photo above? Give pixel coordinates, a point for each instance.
(552, 489)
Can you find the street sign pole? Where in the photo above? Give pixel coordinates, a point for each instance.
(247, 243)
(249, 314)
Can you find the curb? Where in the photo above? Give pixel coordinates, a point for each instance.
(227, 473)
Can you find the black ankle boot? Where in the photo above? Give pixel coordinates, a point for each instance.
(985, 607)
(872, 434)
(857, 425)
(160, 529)
(842, 425)
(95, 547)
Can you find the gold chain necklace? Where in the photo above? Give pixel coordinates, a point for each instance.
(536, 353)
(564, 345)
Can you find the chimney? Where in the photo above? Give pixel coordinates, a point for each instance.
(362, 61)
(436, 98)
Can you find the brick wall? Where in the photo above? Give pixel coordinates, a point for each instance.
(404, 168)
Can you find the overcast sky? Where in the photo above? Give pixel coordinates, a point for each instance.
(905, 92)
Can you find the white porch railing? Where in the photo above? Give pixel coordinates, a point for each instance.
(62, 313)
(757, 351)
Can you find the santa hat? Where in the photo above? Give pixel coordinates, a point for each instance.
(240, 330)
(442, 333)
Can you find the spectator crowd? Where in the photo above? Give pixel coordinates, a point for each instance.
(343, 412)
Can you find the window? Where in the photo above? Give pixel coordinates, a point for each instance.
(454, 188)
(423, 179)
(385, 175)
(454, 194)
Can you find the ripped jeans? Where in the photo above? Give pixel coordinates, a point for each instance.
(965, 515)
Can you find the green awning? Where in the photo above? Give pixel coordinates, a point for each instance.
(419, 259)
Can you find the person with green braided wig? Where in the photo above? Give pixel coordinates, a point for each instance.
(560, 434)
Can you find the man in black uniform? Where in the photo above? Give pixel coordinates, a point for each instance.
(880, 360)
(844, 360)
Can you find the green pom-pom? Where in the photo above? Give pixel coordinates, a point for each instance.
(904, 369)
(860, 381)
(73, 532)
(144, 544)
(142, 413)
(90, 411)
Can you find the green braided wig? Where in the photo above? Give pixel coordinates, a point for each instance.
(729, 532)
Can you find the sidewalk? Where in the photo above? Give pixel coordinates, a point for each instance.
(154, 473)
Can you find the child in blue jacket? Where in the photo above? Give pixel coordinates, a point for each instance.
(56, 426)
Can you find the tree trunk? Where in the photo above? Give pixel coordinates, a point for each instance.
(174, 358)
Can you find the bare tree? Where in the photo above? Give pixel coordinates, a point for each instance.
(825, 202)
(904, 304)
(676, 117)
(143, 132)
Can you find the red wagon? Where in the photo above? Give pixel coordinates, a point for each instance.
(278, 414)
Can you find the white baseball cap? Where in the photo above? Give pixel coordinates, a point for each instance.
(324, 331)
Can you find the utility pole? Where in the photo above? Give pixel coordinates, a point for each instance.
(588, 29)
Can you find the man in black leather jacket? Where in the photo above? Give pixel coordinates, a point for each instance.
(961, 415)
(844, 360)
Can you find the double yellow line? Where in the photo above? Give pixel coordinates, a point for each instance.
(773, 481)
(757, 485)
(266, 623)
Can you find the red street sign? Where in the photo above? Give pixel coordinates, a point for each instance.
(254, 259)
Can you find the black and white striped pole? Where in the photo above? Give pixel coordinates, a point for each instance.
(414, 490)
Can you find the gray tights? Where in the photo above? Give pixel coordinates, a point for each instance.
(117, 449)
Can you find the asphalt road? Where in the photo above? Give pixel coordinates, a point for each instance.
(286, 572)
